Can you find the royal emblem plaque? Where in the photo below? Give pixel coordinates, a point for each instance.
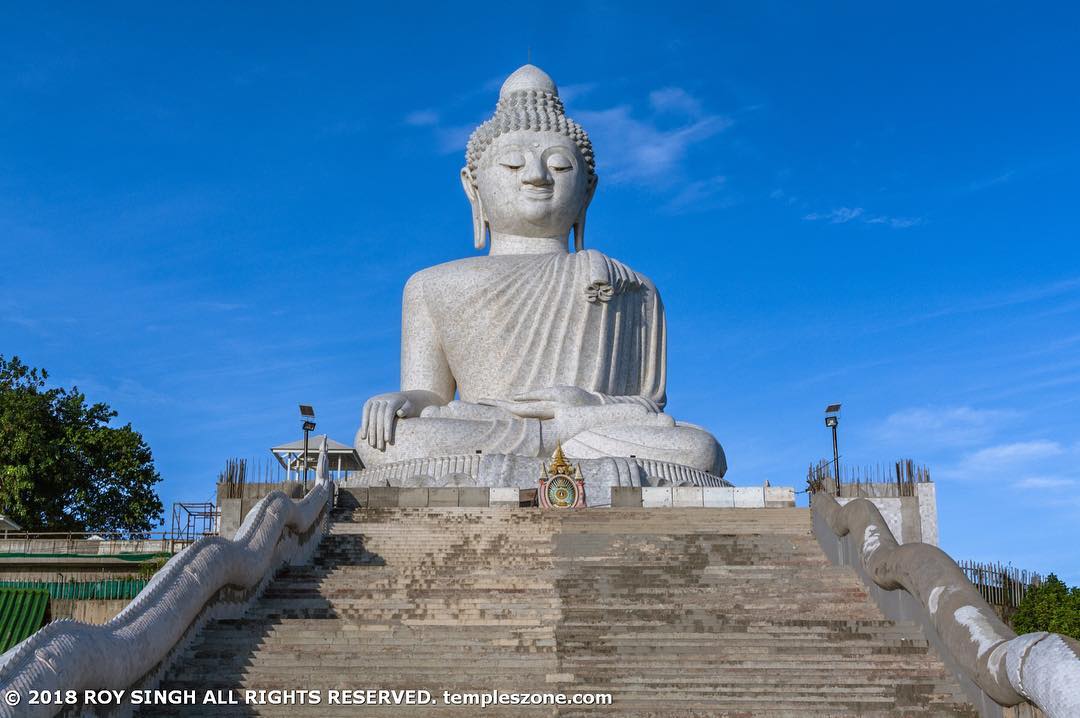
(561, 485)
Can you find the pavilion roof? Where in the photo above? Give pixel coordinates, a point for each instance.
(291, 454)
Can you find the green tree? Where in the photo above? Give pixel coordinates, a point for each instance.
(62, 467)
(1050, 606)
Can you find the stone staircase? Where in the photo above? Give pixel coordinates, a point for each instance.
(675, 612)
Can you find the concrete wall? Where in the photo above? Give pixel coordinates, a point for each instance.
(233, 510)
(926, 495)
(87, 611)
(621, 497)
(443, 497)
(910, 518)
(82, 546)
(256, 491)
(730, 497)
(60, 568)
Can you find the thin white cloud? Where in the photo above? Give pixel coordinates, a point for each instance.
(843, 215)
(981, 184)
(939, 427)
(125, 391)
(569, 93)
(895, 222)
(1044, 482)
(840, 215)
(638, 151)
(422, 118)
(1008, 463)
(1014, 453)
(643, 148)
(453, 139)
(675, 100)
(1008, 299)
(700, 195)
(216, 306)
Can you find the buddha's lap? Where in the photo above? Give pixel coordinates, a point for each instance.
(424, 437)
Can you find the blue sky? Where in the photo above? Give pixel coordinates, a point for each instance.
(208, 213)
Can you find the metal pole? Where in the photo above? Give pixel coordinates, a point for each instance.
(306, 432)
(836, 460)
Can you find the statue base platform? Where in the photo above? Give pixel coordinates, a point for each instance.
(523, 472)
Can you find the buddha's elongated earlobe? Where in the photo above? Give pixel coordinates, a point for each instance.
(478, 219)
(579, 223)
(480, 225)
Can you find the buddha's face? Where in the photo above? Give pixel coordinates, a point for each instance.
(533, 184)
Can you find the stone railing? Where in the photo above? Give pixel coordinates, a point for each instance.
(920, 583)
(213, 578)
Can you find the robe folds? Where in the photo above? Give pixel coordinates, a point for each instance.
(512, 323)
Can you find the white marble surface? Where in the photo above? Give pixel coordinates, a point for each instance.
(531, 345)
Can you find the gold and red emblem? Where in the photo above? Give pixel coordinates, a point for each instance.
(561, 484)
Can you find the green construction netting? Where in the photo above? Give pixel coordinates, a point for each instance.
(106, 589)
(22, 611)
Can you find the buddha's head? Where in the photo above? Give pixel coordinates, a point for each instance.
(529, 170)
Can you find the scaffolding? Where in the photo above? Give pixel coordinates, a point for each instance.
(191, 521)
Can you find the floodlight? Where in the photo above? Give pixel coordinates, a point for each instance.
(309, 426)
(832, 419)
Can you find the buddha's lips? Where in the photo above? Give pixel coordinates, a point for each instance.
(533, 193)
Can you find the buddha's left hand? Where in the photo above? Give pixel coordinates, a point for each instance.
(542, 403)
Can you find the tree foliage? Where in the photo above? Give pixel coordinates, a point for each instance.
(62, 467)
(1050, 606)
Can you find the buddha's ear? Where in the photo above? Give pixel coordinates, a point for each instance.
(478, 220)
(579, 225)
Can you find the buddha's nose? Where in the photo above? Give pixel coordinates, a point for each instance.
(536, 173)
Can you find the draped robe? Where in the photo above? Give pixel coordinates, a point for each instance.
(491, 327)
(511, 323)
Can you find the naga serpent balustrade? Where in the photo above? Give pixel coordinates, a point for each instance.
(1041, 667)
(69, 655)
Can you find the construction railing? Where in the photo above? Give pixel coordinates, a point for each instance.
(1003, 587)
(876, 481)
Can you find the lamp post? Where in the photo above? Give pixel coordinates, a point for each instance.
(307, 413)
(832, 418)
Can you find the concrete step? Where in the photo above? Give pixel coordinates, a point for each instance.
(673, 611)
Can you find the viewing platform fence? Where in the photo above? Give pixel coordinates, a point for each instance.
(1003, 587)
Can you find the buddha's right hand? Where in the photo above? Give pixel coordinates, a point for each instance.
(381, 413)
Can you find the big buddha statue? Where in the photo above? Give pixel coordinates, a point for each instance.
(532, 345)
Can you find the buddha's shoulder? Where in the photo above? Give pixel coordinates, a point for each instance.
(452, 273)
(451, 270)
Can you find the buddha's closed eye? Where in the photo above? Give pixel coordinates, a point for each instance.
(512, 160)
(560, 163)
